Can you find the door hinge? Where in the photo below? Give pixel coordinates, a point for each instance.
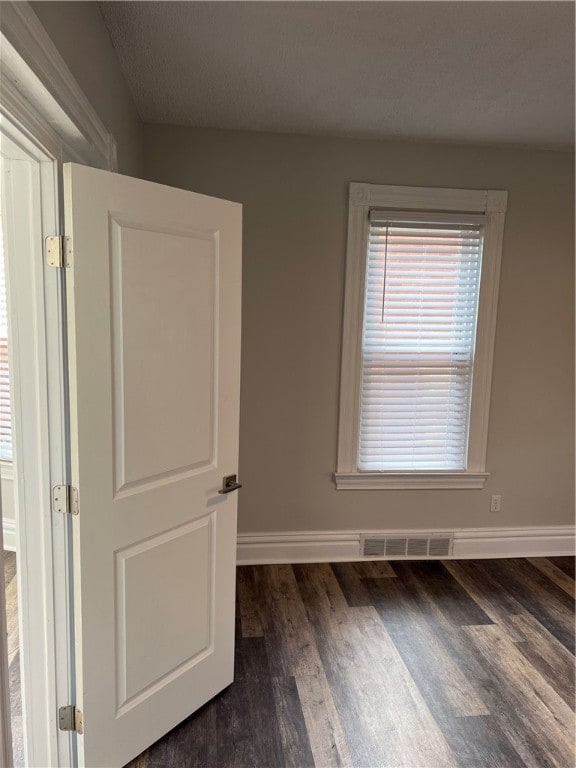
(65, 500)
(70, 719)
(58, 250)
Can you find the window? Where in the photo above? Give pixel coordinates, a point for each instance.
(420, 310)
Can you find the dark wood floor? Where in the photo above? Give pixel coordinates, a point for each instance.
(425, 664)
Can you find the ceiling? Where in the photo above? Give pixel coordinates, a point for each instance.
(472, 72)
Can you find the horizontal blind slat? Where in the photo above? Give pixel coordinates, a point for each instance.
(420, 314)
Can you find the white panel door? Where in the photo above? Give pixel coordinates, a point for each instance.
(154, 347)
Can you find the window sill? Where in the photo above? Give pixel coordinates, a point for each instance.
(403, 481)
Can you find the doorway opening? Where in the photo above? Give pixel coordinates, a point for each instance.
(9, 519)
(11, 558)
(32, 455)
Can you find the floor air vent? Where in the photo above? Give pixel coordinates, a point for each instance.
(406, 546)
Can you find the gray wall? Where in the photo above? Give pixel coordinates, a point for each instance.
(294, 191)
(78, 31)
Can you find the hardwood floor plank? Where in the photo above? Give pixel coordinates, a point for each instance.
(451, 598)
(325, 734)
(564, 686)
(547, 655)
(141, 761)
(555, 574)
(326, 610)
(351, 584)
(336, 641)
(249, 607)
(512, 723)
(549, 604)
(471, 664)
(496, 603)
(318, 586)
(236, 743)
(480, 742)
(556, 657)
(289, 638)
(445, 688)
(192, 744)
(350, 577)
(246, 726)
(410, 732)
(373, 569)
(542, 711)
(251, 659)
(387, 721)
(252, 686)
(293, 733)
(347, 662)
(566, 564)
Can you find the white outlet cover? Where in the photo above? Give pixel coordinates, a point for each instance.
(496, 503)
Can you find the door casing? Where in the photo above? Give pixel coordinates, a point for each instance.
(43, 108)
(29, 191)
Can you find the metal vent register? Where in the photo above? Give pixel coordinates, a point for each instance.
(406, 546)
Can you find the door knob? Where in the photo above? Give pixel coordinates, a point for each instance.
(229, 484)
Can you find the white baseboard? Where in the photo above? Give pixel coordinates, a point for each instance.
(9, 534)
(334, 546)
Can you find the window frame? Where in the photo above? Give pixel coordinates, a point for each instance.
(431, 200)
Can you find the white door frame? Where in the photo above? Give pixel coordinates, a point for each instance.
(36, 363)
(45, 112)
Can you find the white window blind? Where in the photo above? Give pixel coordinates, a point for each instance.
(420, 314)
(5, 411)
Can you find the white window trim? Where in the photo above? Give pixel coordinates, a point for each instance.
(362, 198)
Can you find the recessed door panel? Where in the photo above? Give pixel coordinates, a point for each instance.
(161, 631)
(164, 296)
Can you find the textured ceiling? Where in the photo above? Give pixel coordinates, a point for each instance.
(482, 72)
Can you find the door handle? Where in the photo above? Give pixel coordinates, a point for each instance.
(229, 484)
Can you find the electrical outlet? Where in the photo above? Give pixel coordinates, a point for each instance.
(496, 502)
